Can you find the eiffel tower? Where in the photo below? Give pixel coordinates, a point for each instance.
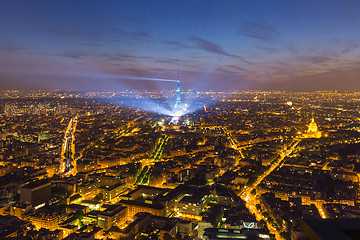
(178, 106)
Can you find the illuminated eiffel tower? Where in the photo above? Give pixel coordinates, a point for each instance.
(178, 107)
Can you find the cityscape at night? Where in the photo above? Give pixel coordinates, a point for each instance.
(179, 120)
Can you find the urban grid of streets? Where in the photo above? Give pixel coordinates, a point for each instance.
(251, 141)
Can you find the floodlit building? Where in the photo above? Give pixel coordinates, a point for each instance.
(47, 220)
(148, 206)
(190, 201)
(312, 131)
(20, 209)
(111, 192)
(112, 215)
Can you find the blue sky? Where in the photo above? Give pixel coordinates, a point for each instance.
(218, 45)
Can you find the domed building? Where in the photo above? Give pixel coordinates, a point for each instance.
(312, 131)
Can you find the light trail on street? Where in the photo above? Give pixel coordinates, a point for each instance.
(69, 139)
(248, 189)
(248, 197)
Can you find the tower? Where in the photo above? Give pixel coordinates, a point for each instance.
(178, 106)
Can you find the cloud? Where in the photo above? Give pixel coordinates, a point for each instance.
(12, 48)
(236, 67)
(124, 56)
(91, 44)
(351, 13)
(105, 56)
(310, 73)
(269, 49)
(314, 59)
(222, 79)
(58, 30)
(210, 47)
(350, 47)
(222, 70)
(141, 34)
(133, 71)
(173, 61)
(204, 45)
(74, 54)
(335, 79)
(177, 44)
(293, 49)
(258, 30)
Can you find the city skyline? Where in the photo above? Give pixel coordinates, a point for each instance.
(179, 120)
(217, 45)
(250, 165)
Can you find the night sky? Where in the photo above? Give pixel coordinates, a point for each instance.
(218, 45)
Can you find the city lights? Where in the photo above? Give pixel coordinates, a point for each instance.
(179, 120)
